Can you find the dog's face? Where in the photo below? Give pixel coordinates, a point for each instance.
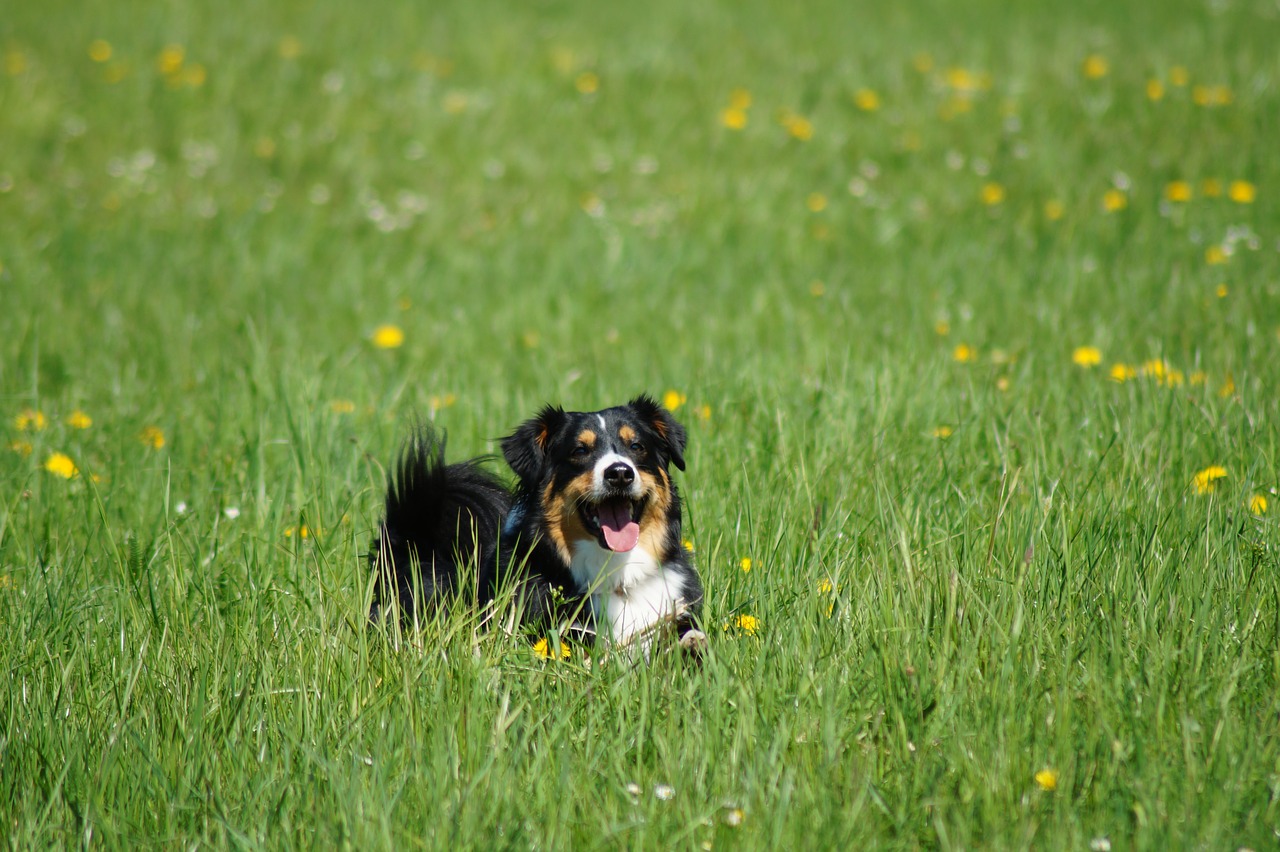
(601, 476)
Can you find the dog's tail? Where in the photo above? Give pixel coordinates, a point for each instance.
(439, 519)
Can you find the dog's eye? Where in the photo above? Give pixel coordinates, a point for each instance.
(580, 451)
(637, 447)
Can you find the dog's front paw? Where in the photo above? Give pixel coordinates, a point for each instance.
(694, 643)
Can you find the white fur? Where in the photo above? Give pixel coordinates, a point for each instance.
(629, 591)
(608, 460)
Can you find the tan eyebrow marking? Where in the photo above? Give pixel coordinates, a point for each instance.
(627, 434)
(586, 436)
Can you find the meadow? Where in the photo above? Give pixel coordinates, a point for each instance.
(972, 312)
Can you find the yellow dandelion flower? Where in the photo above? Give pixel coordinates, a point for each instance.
(1172, 379)
(1206, 481)
(194, 75)
(816, 202)
(740, 99)
(289, 47)
(1086, 356)
(1212, 96)
(942, 328)
(1179, 76)
(29, 419)
(1220, 291)
(60, 464)
(798, 126)
(704, 412)
(825, 586)
(1215, 255)
(942, 432)
(733, 118)
(673, 399)
(1242, 192)
(100, 50)
(866, 100)
(388, 337)
(1095, 67)
(1054, 209)
(991, 194)
(152, 436)
(342, 406)
(562, 59)
(1228, 387)
(963, 80)
(964, 353)
(1155, 90)
(1258, 504)
(734, 817)
(1211, 188)
(1047, 780)
(15, 62)
(22, 448)
(1178, 191)
(587, 83)
(688, 545)
(1155, 368)
(745, 563)
(170, 60)
(456, 103)
(303, 532)
(443, 401)
(1122, 372)
(1114, 200)
(543, 649)
(748, 624)
(1198, 378)
(1002, 384)
(79, 420)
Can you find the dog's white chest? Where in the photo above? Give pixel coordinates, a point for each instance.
(628, 591)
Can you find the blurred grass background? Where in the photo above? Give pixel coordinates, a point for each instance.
(971, 313)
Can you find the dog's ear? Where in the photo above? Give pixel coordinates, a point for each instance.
(526, 448)
(660, 420)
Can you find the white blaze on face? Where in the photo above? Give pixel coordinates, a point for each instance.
(607, 461)
(621, 531)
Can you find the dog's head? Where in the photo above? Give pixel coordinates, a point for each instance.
(601, 476)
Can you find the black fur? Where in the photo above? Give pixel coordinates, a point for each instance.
(445, 521)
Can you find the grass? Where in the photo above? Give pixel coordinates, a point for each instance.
(987, 605)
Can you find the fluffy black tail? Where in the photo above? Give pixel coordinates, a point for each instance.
(439, 518)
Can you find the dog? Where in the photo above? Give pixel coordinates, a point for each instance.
(590, 536)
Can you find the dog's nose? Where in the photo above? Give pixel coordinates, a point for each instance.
(619, 475)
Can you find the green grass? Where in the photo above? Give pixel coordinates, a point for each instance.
(939, 618)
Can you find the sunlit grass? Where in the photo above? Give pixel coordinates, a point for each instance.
(971, 318)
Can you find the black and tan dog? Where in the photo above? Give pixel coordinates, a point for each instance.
(591, 534)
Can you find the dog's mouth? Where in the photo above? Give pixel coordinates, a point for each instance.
(614, 521)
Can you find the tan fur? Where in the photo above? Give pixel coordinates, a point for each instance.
(564, 526)
(627, 434)
(653, 523)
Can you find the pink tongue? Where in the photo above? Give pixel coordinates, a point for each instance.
(620, 532)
